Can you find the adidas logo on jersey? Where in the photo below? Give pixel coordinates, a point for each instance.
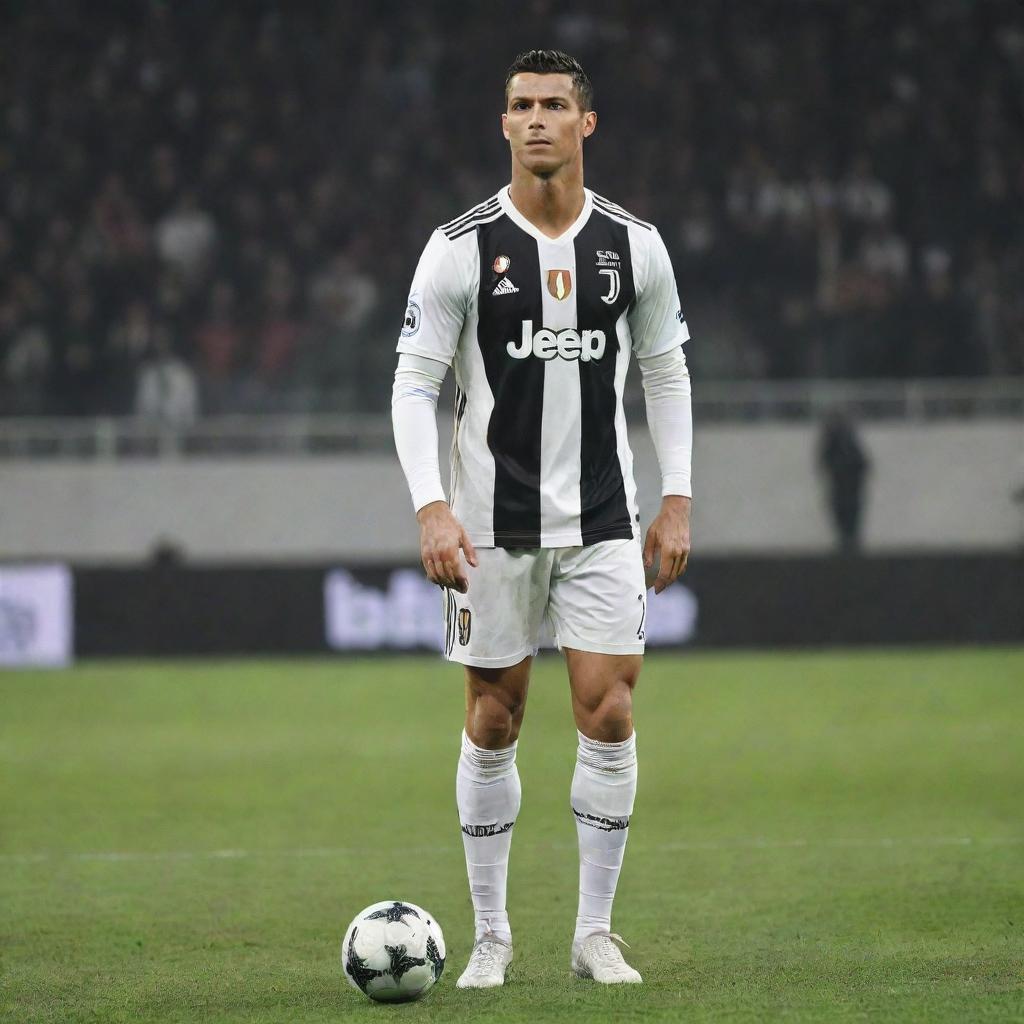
(566, 344)
(504, 287)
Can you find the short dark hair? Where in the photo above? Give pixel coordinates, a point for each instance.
(554, 62)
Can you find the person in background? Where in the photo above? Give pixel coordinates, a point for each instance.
(841, 457)
(166, 390)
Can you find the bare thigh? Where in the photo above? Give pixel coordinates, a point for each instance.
(495, 703)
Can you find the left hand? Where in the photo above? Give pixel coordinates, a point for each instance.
(669, 534)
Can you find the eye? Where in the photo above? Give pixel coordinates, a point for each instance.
(556, 104)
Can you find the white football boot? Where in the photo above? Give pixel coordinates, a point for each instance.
(487, 963)
(599, 958)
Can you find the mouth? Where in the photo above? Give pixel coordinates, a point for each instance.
(538, 142)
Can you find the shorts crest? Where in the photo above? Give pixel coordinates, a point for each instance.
(465, 625)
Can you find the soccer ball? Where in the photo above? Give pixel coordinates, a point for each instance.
(393, 951)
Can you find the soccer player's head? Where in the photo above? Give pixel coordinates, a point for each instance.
(548, 100)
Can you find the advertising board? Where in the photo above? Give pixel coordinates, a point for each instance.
(401, 610)
(36, 615)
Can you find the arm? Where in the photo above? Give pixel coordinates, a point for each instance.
(429, 338)
(666, 383)
(414, 397)
(659, 331)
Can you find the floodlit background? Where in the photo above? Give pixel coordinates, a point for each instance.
(209, 217)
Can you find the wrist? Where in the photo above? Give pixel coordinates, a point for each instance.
(676, 505)
(431, 510)
(676, 501)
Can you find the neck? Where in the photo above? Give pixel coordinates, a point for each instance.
(551, 204)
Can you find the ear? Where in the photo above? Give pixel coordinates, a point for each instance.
(589, 123)
(504, 125)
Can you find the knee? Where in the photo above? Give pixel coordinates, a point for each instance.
(493, 720)
(609, 717)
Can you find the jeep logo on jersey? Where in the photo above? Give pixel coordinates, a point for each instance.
(566, 344)
(560, 283)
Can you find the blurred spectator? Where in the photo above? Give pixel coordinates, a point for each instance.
(344, 294)
(77, 377)
(279, 333)
(166, 391)
(26, 367)
(261, 181)
(116, 230)
(885, 253)
(864, 197)
(185, 237)
(841, 458)
(218, 343)
(1017, 494)
(941, 332)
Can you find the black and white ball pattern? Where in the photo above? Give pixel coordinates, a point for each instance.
(393, 951)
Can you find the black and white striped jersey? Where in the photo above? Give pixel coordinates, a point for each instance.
(539, 332)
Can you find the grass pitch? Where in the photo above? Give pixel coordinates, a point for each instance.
(817, 837)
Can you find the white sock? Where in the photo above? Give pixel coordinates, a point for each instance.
(488, 793)
(603, 790)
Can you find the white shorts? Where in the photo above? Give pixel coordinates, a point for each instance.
(593, 598)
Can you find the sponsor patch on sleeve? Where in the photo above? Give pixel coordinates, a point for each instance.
(411, 323)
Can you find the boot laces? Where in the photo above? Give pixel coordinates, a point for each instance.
(486, 954)
(605, 948)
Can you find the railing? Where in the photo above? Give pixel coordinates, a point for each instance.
(250, 434)
(322, 433)
(914, 400)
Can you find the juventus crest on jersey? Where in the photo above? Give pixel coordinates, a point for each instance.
(539, 332)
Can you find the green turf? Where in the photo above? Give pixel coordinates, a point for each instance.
(824, 837)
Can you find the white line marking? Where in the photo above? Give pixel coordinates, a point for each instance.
(754, 843)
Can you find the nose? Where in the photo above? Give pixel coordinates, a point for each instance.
(537, 116)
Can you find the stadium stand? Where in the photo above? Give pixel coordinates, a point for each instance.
(229, 203)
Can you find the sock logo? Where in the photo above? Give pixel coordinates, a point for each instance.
(602, 823)
(482, 831)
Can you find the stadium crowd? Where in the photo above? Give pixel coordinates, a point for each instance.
(219, 207)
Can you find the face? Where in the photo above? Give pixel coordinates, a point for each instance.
(544, 123)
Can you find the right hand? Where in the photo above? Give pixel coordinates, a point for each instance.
(441, 536)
